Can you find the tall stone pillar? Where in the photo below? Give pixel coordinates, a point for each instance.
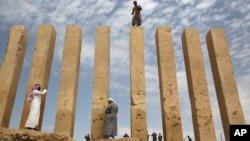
(225, 84)
(137, 84)
(65, 113)
(101, 81)
(170, 108)
(197, 85)
(40, 68)
(10, 71)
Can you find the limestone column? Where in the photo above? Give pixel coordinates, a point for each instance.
(65, 113)
(40, 68)
(101, 81)
(10, 71)
(137, 84)
(224, 81)
(197, 86)
(170, 108)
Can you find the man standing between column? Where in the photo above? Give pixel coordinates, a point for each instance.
(110, 129)
(159, 137)
(154, 135)
(34, 99)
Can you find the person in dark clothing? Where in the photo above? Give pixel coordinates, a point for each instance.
(159, 137)
(154, 135)
(189, 139)
(125, 135)
(87, 138)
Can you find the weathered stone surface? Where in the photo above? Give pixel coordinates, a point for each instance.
(30, 135)
(10, 72)
(65, 113)
(40, 68)
(225, 84)
(137, 84)
(171, 117)
(197, 85)
(101, 81)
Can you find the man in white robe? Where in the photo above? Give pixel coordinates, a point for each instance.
(111, 110)
(34, 99)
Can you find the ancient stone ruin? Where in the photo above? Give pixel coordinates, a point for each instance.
(225, 84)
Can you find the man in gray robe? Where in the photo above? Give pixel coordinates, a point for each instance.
(110, 129)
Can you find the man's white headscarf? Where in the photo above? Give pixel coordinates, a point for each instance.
(111, 99)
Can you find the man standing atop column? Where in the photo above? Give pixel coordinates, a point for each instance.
(110, 129)
(137, 14)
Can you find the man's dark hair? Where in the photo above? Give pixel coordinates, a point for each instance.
(39, 88)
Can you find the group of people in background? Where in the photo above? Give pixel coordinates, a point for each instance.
(155, 136)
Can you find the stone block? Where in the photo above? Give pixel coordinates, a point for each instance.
(223, 75)
(101, 81)
(10, 71)
(65, 112)
(197, 85)
(170, 108)
(137, 84)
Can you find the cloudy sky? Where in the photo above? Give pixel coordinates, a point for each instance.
(231, 15)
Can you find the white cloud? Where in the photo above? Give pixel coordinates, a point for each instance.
(148, 6)
(205, 4)
(101, 10)
(187, 2)
(87, 53)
